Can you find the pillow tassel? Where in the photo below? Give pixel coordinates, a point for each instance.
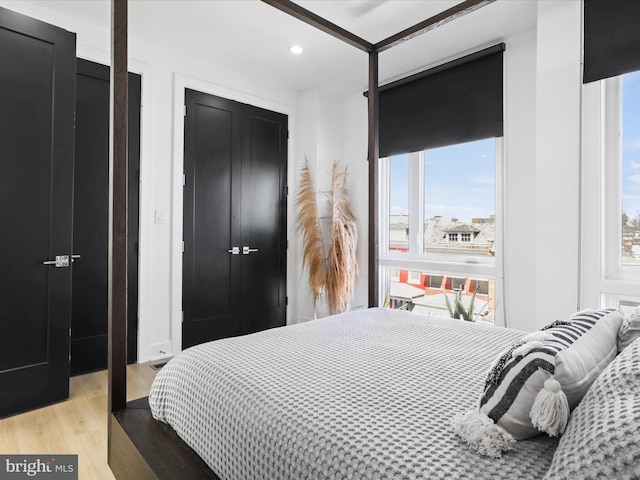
(550, 410)
(482, 435)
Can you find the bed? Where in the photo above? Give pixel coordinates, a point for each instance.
(366, 394)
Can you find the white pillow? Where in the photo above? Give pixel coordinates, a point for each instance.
(630, 330)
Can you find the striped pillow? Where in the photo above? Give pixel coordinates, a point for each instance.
(572, 352)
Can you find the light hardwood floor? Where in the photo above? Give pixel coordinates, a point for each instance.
(76, 426)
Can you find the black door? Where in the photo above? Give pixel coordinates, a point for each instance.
(234, 263)
(91, 218)
(37, 99)
(263, 219)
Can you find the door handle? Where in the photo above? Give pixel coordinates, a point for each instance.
(74, 257)
(59, 262)
(234, 251)
(247, 250)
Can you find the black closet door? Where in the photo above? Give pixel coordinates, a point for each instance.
(264, 219)
(212, 169)
(234, 263)
(37, 99)
(91, 218)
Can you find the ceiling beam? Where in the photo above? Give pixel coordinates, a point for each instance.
(318, 22)
(452, 13)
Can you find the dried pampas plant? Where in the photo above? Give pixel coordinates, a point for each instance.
(313, 257)
(342, 261)
(336, 274)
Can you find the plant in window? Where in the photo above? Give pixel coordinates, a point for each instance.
(458, 310)
(333, 274)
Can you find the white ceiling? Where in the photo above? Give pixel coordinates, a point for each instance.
(253, 38)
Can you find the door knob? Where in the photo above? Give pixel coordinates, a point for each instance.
(234, 250)
(248, 250)
(59, 262)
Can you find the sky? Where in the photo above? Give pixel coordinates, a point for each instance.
(631, 144)
(459, 181)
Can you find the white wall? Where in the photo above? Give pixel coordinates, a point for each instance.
(333, 128)
(557, 176)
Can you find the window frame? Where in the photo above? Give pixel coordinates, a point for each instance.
(604, 281)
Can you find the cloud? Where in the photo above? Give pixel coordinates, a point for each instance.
(483, 190)
(441, 189)
(483, 179)
(634, 165)
(634, 178)
(631, 145)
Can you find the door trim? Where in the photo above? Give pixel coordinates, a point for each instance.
(182, 82)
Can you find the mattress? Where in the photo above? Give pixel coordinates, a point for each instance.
(369, 394)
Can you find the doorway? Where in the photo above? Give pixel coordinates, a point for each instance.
(89, 322)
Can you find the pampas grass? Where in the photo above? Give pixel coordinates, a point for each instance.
(313, 256)
(333, 274)
(342, 261)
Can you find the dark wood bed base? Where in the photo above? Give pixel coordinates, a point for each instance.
(139, 447)
(144, 448)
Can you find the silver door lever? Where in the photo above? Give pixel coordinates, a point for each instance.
(234, 251)
(247, 250)
(59, 262)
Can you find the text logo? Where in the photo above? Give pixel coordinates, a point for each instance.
(50, 467)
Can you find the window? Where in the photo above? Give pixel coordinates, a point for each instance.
(438, 211)
(628, 306)
(432, 298)
(414, 277)
(611, 192)
(630, 234)
(482, 286)
(435, 281)
(399, 203)
(460, 197)
(394, 275)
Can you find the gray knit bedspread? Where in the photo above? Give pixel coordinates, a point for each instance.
(369, 394)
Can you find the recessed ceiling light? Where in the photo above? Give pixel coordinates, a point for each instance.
(295, 49)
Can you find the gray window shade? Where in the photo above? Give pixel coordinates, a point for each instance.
(611, 38)
(458, 102)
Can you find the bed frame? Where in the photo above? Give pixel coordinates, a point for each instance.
(138, 446)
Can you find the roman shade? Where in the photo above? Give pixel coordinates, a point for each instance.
(611, 38)
(457, 102)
